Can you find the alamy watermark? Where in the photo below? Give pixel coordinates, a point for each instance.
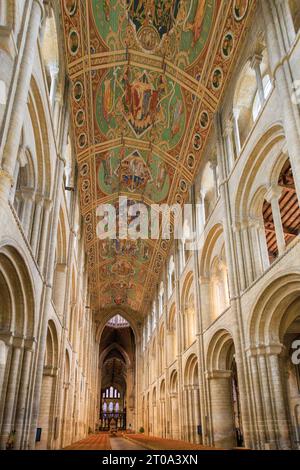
(296, 354)
(133, 220)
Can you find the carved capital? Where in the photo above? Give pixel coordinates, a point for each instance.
(274, 192)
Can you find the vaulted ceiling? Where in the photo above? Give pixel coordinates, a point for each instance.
(147, 77)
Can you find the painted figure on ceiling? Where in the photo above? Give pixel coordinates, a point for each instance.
(178, 111)
(108, 171)
(140, 100)
(160, 14)
(161, 176)
(133, 172)
(106, 8)
(196, 26)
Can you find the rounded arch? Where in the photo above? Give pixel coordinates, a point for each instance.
(210, 242)
(16, 294)
(189, 278)
(191, 371)
(189, 310)
(214, 274)
(222, 372)
(275, 310)
(271, 141)
(172, 318)
(207, 189)
(162, 389)
(154, 396)
(174, 381)
(40, 128)
(67, 371)
(220, 351)
(250, 91)
(51, 354)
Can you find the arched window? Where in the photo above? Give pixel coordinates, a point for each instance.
(252, 89)
(25, 188)
(219, 278)
(257, 105)
(50, 52)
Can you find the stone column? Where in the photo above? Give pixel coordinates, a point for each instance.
(236, 130)
(58, 288)
(284, 437)
(263, 245)
(222, 409)
(260, 431)
(23, 395)
(247, 252)
(44, 233)
(286, 21)
(228, 135)
(36, 223)
(175, 417)
(197, 413)
(273, 195)
(186, 414)
(12, 390)
(267, 400)
(255, 64)
(232, 264)
(190, 414)
(3, 357)
(163, 419)
(213, 167)
(258, 266)
(53, 69)
(240, 257)
(28, 197)
(56, 113)
(200, 212)
(10, 151)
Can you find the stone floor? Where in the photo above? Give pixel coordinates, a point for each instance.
(99, 441)
(103, 441)
(120, 443)
(157, 443)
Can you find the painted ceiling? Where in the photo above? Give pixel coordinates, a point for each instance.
(147, 77)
